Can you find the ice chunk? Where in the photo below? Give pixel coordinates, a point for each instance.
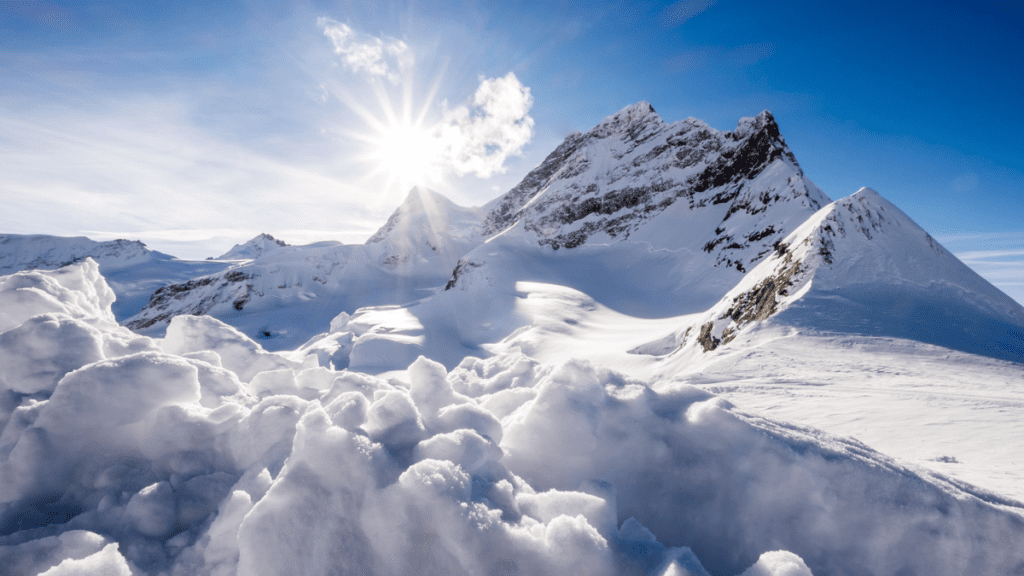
(238, 353)
(778, 563)
(38, 353)
(106, 562)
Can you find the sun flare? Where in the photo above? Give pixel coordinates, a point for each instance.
(407, 154)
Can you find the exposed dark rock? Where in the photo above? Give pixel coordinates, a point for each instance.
(208, 287)
(705, 339)
(564, 209)
(460, 268)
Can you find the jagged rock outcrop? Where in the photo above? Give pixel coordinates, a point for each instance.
(604, 185)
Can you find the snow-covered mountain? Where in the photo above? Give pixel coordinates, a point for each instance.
(252, 249)
(39, 251)
(732, 194)
(131, 269)
(290, 293)
(862, 266)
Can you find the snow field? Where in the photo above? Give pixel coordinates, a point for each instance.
(204, 454)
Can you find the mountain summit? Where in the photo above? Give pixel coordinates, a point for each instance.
(740, 189)
(253, 249)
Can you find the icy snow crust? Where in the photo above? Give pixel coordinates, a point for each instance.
(204, 454)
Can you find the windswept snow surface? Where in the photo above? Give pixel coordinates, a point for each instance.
(203, 454)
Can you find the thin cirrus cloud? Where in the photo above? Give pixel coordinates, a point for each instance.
(736, 56)
(996, 256)
(679, 12)
(108, 175)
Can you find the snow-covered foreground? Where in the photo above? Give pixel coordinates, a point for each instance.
(952, 413)
(203, 454)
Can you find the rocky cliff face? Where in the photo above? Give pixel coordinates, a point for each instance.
(606, 184)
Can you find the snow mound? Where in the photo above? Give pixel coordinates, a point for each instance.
(200, 457)
(252, 249)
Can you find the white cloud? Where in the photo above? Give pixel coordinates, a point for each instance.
(478, 138)
(365, 53)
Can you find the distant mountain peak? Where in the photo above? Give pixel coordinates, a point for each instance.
(419, 201)
(40, 251)
(254, 248)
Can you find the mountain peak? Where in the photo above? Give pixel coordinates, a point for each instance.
(419, 202)
(259, 245)
(631, 120)
(418, 197)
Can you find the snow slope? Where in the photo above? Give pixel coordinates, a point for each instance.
(289, 294)
(233, 460)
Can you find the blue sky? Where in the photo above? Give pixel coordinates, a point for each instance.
(195, 126)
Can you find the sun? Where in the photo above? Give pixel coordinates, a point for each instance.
(407, 153)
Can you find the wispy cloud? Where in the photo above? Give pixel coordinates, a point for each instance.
(157, 176)
(368, 54)
(743, 55)
(679, 12)
(997, 256)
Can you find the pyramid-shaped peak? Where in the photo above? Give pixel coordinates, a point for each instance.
(427, 208)
(420, 196)
(866, 192)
